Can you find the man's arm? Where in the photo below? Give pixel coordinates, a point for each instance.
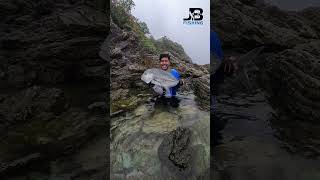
(225, 67)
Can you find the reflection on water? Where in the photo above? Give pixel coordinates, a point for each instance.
(250, 148)
(137, 136)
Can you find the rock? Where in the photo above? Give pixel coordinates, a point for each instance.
(243, 25)
(126, 104)
(136, 68)
(312, 16)
(201, 88)
(116, 53)
(32, 104)
(48, 53)
(100, 107)
(45, 46)
(249, 2)
(124, 36)
(119, 94)
(96, 72)
(179, 154)
(296, 72)
(18, 163)
(287, 72)
(174, 152)
(116, 113)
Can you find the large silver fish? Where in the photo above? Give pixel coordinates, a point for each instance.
(159, 77)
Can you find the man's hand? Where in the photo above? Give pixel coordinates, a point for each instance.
(150, 85)
(181, 82)
(229, 66)
(164, 92)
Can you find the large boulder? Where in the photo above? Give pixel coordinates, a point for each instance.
(245, 25)
(292, 80)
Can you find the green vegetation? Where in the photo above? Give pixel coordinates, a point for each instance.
(121, 15)
(120, 12)
(165, 44)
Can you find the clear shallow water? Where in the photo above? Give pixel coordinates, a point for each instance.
(251, 149)
(136, 137)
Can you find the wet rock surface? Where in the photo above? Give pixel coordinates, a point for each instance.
(248, 25)
(176, 148)
(286, 71)
(201, 88)
(271, 131)
(50, 73)
(160, 142)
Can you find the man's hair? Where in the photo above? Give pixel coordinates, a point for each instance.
(167, 55)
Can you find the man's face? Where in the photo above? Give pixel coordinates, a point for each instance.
(164, 63)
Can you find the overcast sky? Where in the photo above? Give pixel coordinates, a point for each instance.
(165, 18)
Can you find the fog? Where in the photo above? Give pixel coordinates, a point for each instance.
(165, 18)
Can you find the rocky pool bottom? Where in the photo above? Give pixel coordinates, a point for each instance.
(156, 142)
(161, 142)
(253, 147)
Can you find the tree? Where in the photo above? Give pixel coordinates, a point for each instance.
(126, 5)
(144, 28)
(120, 11)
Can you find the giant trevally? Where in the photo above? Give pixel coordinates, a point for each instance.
(159, 77)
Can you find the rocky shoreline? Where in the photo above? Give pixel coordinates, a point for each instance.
(288, 70)
(53, 88)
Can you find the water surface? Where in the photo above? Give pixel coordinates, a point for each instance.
(136, 138)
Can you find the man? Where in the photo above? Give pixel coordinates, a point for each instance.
(224, 68)
(169, 96)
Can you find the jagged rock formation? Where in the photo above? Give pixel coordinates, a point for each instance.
(253, 24)
(50, 73)
(297, 87)
(201, 88)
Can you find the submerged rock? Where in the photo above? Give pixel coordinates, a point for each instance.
(174, 150)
